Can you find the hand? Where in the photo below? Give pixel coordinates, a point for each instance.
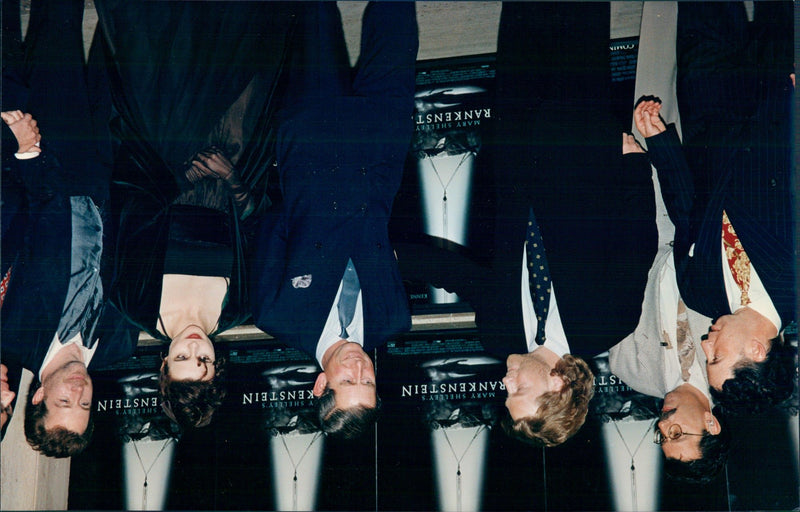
(6, 396)
(210, 163)
(630, 144)
(213, 163)
(25, 129)
(647, 118)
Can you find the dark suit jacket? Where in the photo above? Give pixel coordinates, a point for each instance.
(735, 98)
(557, 149)
(40, 277)
(38, 239)
(760, 215)
(340, 159)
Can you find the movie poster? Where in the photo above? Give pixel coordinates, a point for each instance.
(445, 198)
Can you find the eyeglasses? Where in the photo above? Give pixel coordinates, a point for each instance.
(674, 432)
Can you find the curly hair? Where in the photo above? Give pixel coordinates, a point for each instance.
(561, 413)
(56, 442)
(349, 423)
(192, 403)
(713, 456)
(756, 387)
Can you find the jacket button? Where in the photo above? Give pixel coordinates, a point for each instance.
(363, 207)
(335, 205)
(318, 245)
(363, 171)
(773, 183)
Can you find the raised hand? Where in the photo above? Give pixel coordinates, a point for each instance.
(647, 118)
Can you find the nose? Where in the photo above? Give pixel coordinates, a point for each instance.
(508, 382)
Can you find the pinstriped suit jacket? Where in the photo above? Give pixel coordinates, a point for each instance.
(735, 100)
(756, 197)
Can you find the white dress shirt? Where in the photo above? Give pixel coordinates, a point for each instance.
(759, 298)
(332, 330)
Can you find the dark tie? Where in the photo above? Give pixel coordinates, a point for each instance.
(348, 297)
(538, 275)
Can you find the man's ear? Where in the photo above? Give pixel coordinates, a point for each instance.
(38, 396)
(320, 384)
(556, 383)
(756, 350)
(712, 424)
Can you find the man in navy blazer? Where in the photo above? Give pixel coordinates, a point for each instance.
(43, 301)
(341, 144)
(736, 88)
(55, 321)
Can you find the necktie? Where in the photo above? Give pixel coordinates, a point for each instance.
(737, 258)
(684, 341)
(348, 297)
(538, 275)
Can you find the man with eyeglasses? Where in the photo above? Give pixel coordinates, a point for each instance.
(663, 358)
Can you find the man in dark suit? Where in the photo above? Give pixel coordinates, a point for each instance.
(556, 153)
(55, 321)
(728, 192)
(341, 144)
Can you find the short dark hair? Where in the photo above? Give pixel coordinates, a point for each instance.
(57, 442)
(561, 413)
(345, 423)
(756, 387)
(192, 403)
(713, 456)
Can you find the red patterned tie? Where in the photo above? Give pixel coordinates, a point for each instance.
(4, 285)
(737, 258)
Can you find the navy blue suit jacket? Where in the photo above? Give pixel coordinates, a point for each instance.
(735, 98)
(340, 159)
(41, 272)
(756, 197)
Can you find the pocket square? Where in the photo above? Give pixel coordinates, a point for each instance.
(301, 281)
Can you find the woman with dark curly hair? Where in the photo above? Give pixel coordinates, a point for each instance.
(194, 89)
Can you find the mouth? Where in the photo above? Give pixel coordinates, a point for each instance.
(194, 336)
(354, 355)
(76, 378)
